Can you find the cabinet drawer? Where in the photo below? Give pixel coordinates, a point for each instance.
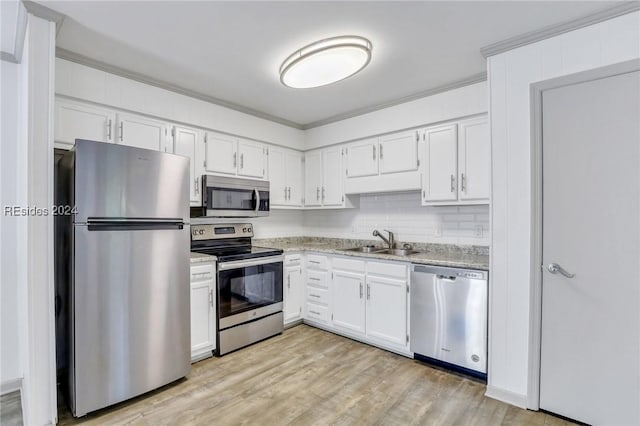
(318, 295)
(318, 278)
(292, 259)
(202, 272)
(396, 270)
(348, 264)
(317, 262)
(317, 312)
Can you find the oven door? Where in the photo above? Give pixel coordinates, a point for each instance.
(249, 289)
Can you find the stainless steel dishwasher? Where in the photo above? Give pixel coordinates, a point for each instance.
(449, 317)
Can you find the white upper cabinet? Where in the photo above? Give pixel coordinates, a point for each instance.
(285, 176)
(252, 159)
(440, 164)
(332, 171)
(362, 158)
(74, 120)
(229, 155)
(456, 163)
(324, 179)
(221, 153)
(313, 178)
(383, 164)
(186, 142)
(141, 132)
(398, 152)
(474, 160)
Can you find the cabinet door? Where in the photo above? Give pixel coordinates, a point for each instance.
(277, 177)
(387, 310)
(251, 159)
(399, 152)
(185, 143)
(474, 160)
(293, 294)
(313, 178)
(142, 132)
(332, 171)
(202, 322)
(362, 158)
(348, 301)
(78, 121)
(440, 164)
(220, 153)
(294, 181)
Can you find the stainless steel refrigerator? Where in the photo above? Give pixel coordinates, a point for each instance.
(127, 256)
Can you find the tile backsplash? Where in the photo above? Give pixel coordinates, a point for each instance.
(398, 212)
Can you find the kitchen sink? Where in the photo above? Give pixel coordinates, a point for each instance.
(365, 249)
(398, 252)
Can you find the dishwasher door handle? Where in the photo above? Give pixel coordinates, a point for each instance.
(446, 278)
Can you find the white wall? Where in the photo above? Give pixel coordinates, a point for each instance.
(510, 76)
(453, 104)
(11, 275)
(86, 83)
(402, 214)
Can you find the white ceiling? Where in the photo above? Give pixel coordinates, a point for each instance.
(232, 50)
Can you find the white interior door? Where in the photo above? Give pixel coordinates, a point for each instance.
(590, 353)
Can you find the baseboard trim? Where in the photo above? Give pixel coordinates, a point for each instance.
(293, 323)
(519, 400)
(11, 386)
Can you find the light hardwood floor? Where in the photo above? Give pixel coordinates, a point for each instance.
(309, 376)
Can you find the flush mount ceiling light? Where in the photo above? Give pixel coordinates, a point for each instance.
(325, 62)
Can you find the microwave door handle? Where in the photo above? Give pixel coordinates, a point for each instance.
(257, 200)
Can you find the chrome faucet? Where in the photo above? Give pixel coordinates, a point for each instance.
(390, 241)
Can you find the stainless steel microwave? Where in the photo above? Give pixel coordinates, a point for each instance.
(233, 197)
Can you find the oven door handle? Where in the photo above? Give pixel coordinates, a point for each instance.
(237, 264)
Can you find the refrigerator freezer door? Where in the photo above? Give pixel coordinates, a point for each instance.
(116, 181)
(130, 313)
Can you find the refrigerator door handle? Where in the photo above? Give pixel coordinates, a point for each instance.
(131, 224)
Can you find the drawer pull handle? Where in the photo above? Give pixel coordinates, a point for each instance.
(314, 279)
(315, 295)
(315, 313)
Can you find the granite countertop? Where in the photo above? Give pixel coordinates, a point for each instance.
(201, 257)
(458, 256)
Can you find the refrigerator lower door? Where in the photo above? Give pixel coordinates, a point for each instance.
(131, 312)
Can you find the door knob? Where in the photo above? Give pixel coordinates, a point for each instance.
(554, 268)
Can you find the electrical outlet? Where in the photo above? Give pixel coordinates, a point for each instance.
(478, 231)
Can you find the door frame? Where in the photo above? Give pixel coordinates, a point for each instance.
(535, 290)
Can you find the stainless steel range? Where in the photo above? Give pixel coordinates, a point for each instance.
(249, 284)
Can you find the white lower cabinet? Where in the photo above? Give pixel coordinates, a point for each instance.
(361, 299)
(293, 288)
(348, 301)
(318, 293)
(203, 302)
(387, 302)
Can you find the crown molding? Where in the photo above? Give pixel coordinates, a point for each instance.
(557, 29)
(21, 32)
(43, 12)
(476, 78)
(102, 66)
